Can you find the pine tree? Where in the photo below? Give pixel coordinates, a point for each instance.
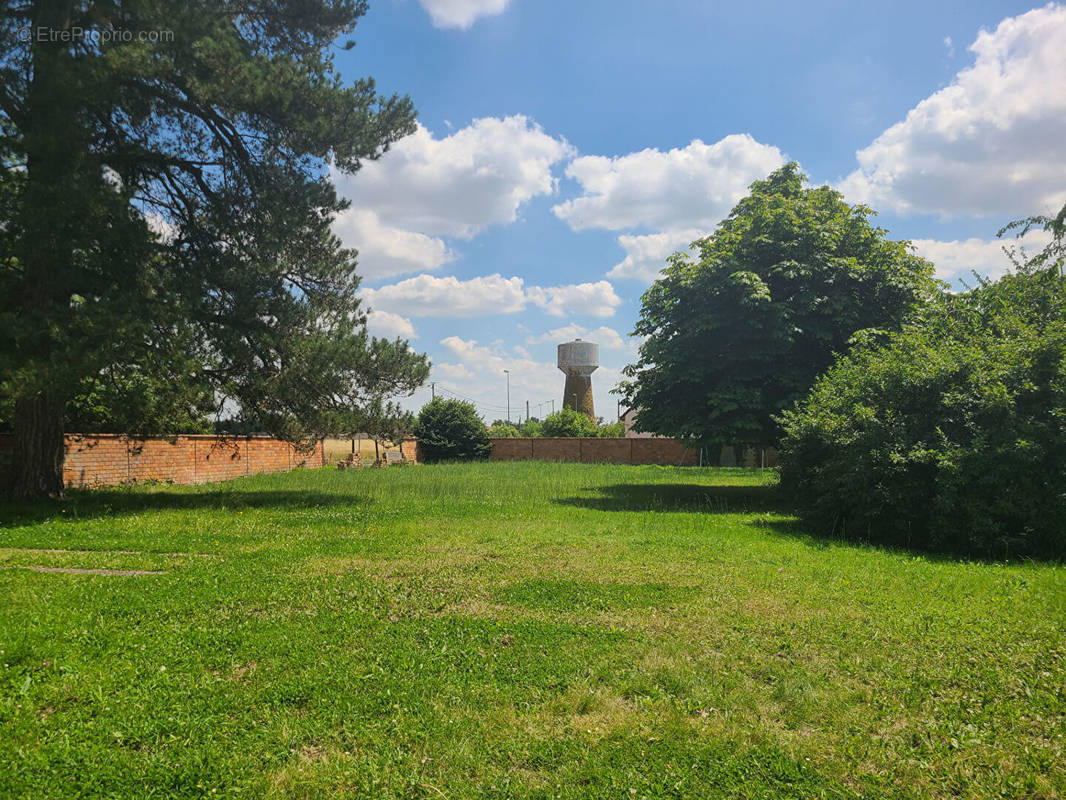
(165, 197)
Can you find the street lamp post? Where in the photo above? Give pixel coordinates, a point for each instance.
(507, 372)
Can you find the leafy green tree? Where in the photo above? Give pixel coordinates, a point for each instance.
(948, 435)
(498, 430)
(532, 427)
(175, 189)
(1053, 255)
(739, 333)
(451, 430)
(569, 422)
(611, 430)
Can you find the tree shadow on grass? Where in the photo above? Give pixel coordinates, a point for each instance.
(766, 499)
(123, 501)
(680, 497)
(793, 528)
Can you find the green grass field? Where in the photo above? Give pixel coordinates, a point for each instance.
(511, 630)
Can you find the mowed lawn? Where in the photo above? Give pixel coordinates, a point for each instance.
(511, 630)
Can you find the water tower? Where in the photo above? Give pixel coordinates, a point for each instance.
(579, 360)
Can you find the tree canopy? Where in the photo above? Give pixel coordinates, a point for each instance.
(739, 332)
(166, 201)
(149, 399)
(1052, 257)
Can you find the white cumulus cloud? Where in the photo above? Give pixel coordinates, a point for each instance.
(961, 258)
(161, 227)
(462, 183)
(605, 337)
(430, 296)
(689, 187)
(453, 371)
(461, 13)
(992, 142)
(387, 325)
(646, 255)
(426, 188)
(595, 299)
(385, 250)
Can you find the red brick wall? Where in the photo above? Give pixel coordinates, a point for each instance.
(615, 451)
(663, 451)
(103, 460)
(109, 459)
(552, 449)
(512, 449)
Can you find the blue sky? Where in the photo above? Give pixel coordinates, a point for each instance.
(566, 148)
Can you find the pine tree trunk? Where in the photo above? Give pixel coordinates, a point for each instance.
(50, 220)
(38, 456)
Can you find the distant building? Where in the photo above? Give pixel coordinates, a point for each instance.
(717, 456)
(628, 418)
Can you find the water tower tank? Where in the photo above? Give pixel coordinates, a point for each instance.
(579, 360)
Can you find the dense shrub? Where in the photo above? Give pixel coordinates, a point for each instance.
(451, 430)
(503, 430)
(949, 435)
(611, 430)
(532, 427)
(569, 423)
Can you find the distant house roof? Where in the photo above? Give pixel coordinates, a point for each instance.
(628, 417)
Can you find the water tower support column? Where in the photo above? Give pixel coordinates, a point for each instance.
(579, 360)
(577, 394)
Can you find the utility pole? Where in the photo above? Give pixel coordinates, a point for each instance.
(527, 411)
(508, 373)
(433, 390)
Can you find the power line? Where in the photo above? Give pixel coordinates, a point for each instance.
(460, 396)
(488, 407)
